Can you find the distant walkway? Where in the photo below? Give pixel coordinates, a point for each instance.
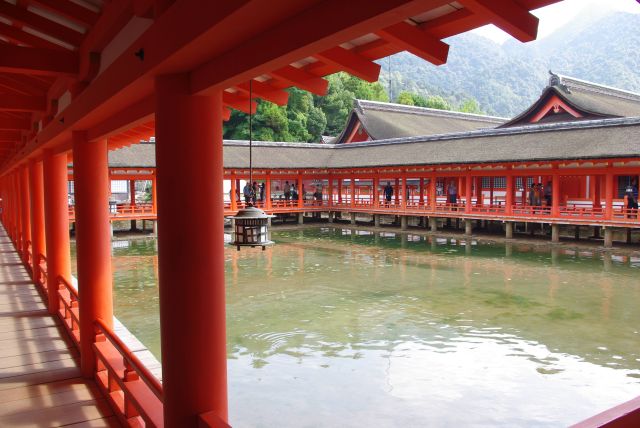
(40, 382)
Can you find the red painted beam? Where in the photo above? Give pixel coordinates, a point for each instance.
(302, 79)
(14, 123)
(18, 36)
(411, 38)
(29, 19)
(350, 62)
(21, 84)
(7, 135)
(22, 103)
(134, 114)
(18, 59)
(69, 10)
(266, 92)
(238, 102)
(508, 16)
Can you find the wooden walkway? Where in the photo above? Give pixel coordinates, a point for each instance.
(40, 382)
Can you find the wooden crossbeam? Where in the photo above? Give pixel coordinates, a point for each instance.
(19, 59)
(238, 102)
(508, 16)
(350, 62)
(302, 79)
(7, 123)
(32, 20)
(23, 103)
(18, 36)
(10, 135)
(266, 92)
(22, 84)
(69, 10)
(411, 38)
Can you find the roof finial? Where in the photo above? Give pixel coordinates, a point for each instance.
(554, 79)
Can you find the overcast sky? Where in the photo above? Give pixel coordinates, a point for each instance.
(555, 16)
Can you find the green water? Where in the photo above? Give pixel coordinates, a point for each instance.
(333, 328)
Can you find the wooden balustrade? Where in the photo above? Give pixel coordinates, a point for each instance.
(69, 311)
(41, 277)
(134, 392)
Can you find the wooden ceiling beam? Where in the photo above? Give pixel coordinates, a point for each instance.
(20, 37)
(302, 79)
(32, 20)
(238, 102)
(14, 124)
(37, 61)
(23, 103)
(508, 16)
(266, 92)
(350, 62)
(69, 10)
(417, 41)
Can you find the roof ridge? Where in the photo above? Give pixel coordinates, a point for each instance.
(572, 82)
(362, 105)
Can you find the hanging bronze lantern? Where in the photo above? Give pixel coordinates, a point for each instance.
(251, 228)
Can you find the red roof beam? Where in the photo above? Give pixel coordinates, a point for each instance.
(20, 84)
(32, 20)
(238, 102)
(508, 16)
(20, 37)
(23, 103)
(302, 79)
(411, 38)
(69, 10)
(14, 124)
(266, 92)
(18, 59)
(8, 135)
(350, 62)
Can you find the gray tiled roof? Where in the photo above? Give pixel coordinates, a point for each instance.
(387, 120)
(604, 138)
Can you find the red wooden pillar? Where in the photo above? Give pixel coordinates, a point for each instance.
(18, 211)
(37, 217)
(93, 241)
(267, 191)
(352, 190)
(300, 200)
(190, 251)
(56, 223)
(421, 200)
(25, 209)
(555, 195)
(132, 192)
(404, 191)
(597, 192)
(432, 192)
(154, 195)
(232, 196)
(608, 189)
(467, 188)
(397, 191)
(376, 191)
(491, 180)
(509, 195)
(339, 190)
(330, 190)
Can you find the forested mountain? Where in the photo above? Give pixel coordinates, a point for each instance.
(505, 79)
(481, 76)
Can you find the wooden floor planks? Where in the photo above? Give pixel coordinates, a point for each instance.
(40, 382)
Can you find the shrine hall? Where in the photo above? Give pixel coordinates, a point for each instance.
(83, 83)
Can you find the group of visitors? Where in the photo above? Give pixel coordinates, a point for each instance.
(253, 192)
(631, 194)
(538, 192)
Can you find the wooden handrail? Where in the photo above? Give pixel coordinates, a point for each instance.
(147, 377)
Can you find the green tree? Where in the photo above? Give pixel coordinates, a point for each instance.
(437, 102)
(471, 106)
(316, 124)
(405, 98)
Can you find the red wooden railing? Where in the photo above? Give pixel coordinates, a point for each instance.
(133, 391)
(69, 311)
(29, 259)
(42, 273)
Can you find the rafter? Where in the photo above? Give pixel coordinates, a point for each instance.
(508, 16)
(10, 135)
(22, 84)
(350, 62)
(18, 36)
(410, 38)
(18, 59)
(14, 124)
(69, 10)
(266, 92)
(238, 102)
(302, 79)
(22, 103)
(39, 23)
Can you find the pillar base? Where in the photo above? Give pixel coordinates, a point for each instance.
(433, 223)
(300, 218)
(134, 226)
(330, 216)
(468, 227)
(508, 233)
(376, 220)
(353, 218)
(404, 222)
(555, 233)
(577, 232)
(608, 237)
